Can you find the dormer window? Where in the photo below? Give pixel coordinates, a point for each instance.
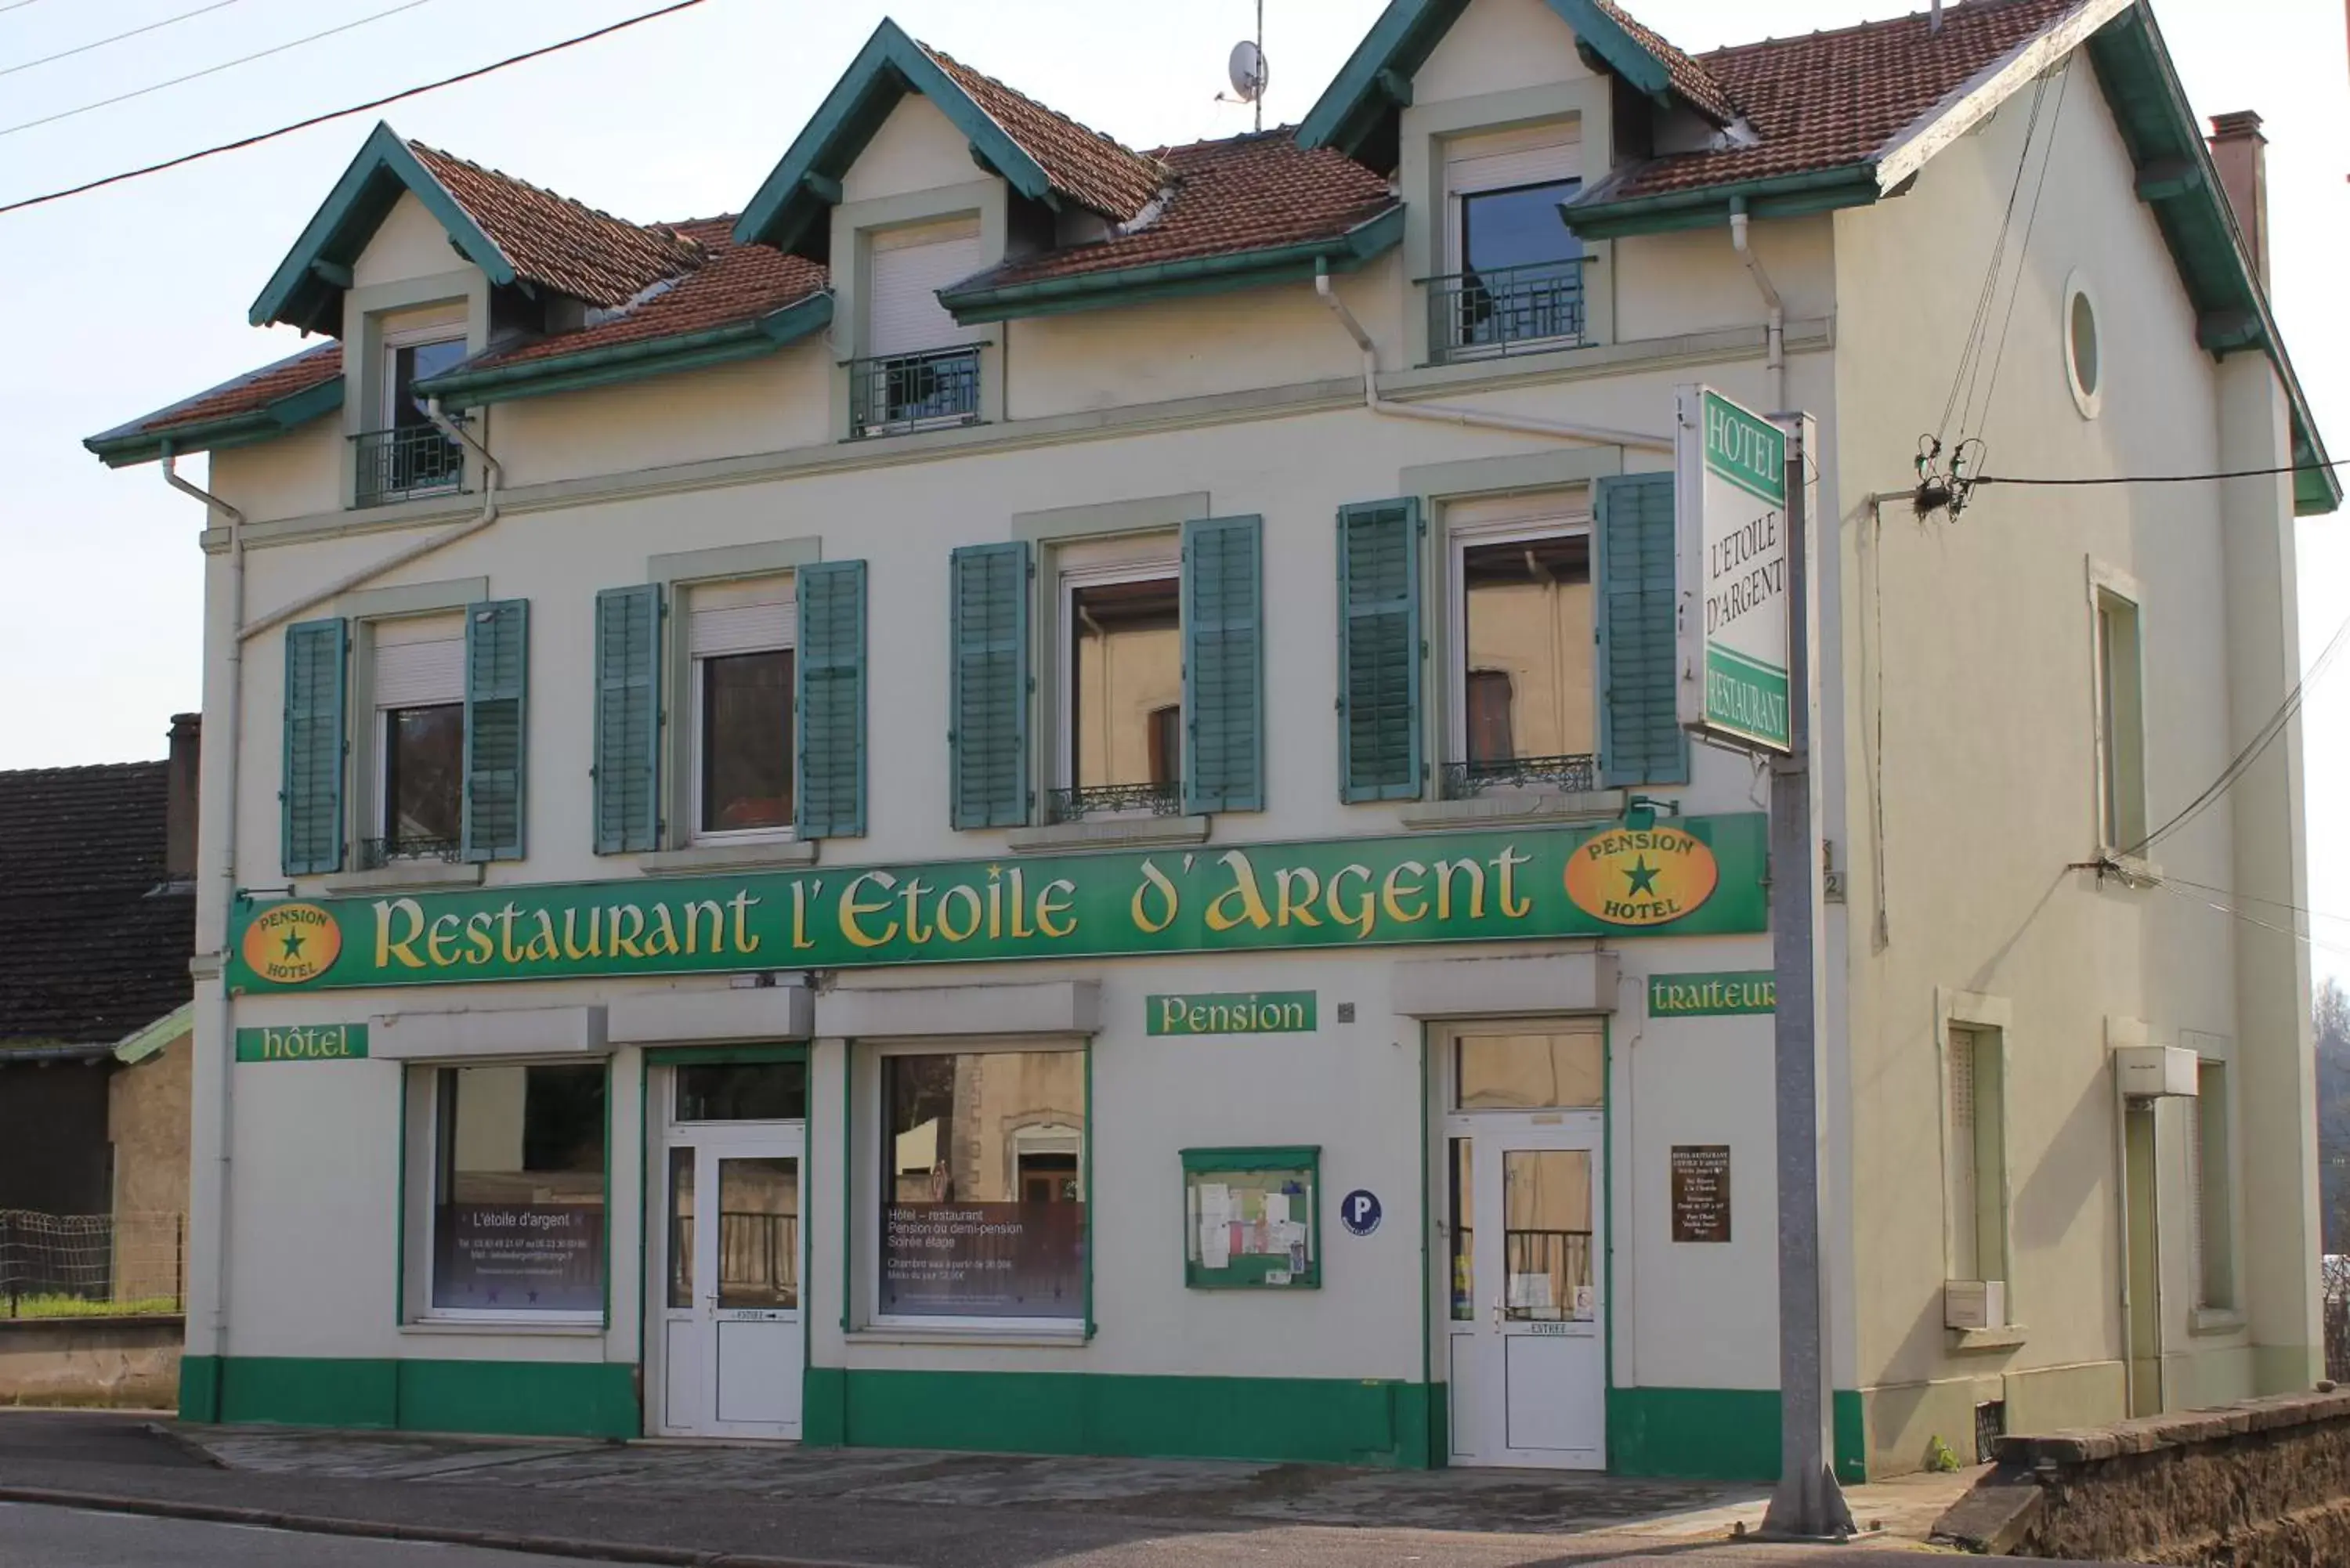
(408, 455)
(1512, 281)
(921, 370)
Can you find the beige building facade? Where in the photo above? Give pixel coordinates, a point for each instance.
(1029, 798)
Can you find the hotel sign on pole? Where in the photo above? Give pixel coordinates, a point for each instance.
(1736, 609)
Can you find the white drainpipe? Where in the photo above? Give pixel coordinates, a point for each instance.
(1777, 358)
(1472, 419)
(224, 868)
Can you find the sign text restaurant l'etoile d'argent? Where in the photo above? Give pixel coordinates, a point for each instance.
(1702, 876)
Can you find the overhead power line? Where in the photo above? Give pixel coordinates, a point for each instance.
(213, 70)
(16, 6)
(2174, 478)
(259, 137)
(116, 39)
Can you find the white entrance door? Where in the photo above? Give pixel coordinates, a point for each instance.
(732, 1343)
(1527, 1325)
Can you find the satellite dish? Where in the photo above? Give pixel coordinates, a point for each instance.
(1248, 71)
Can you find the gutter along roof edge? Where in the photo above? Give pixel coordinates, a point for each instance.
(130, 445)
(635, 361)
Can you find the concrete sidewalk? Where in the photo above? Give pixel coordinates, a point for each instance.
(706, 1503)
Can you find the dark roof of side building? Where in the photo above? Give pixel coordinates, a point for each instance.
(94, 936)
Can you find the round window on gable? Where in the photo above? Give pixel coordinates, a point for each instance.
(2083, 353)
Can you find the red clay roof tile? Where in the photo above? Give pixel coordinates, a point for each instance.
(558, 243)
(1245, 193)
(1100, 173)
(250, 392)
(1829, 100)
(1689, 78)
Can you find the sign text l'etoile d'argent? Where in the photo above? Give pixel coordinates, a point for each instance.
(1702, 876)
(1732, 496)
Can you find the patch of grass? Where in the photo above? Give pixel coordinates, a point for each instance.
(82, 1306)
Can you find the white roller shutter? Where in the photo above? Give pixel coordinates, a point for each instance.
(420, 661)
(903, 315)
(752, 617)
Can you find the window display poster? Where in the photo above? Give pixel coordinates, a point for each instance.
(983, 1260)
(518, 1257)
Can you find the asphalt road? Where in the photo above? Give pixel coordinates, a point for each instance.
(71, 1538)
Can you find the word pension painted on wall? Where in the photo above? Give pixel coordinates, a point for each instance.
(1700, 877)
(1725, 994)
(304, 1043)
(1735, 619)
(1243, 1013)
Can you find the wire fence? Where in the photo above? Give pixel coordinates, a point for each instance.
(91, 1265)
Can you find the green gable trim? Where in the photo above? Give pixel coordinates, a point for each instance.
(1301, 1420)
(523, 1398)
(272, 420)
(1375, 80)
(636, 361)
(2181, 187)
(304, 293)
(787, 210)
(1172, 279)
(1594, 215)
(136, 1048)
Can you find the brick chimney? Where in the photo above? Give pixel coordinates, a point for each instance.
(180, 799)
(2240, 153)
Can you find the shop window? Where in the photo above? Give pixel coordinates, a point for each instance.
(1976, 1156)
(1524, 694)
(2209, 1181)
(1526, 1070)
(1122, 727)
(982, 1211)
(742, 1092)
(517, 1197)
(744, 644)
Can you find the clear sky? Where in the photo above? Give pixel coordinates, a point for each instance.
(123, 300)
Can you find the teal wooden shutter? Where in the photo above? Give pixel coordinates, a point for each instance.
(1223, 664)
(497, 692)
(1640, 737)
(1379, 650)
(311, 801)
(628, 720)
(828, 798)
(988, 745)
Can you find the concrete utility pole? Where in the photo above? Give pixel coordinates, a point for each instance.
(1808, 1502)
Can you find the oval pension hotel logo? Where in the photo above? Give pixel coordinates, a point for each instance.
(1641, 876)
(292, 943)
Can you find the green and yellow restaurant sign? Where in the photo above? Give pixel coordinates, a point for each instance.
(1724, 993)
(1702, 876)
(1232, 1012)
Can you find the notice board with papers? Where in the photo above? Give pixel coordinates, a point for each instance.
(1252, 1218)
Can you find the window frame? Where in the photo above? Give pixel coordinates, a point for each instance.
(2214, 1221)
(393, 341)
(373, 811)
(865, 1219)
(692, 774)
(2109, 591)
(1459, 538)
(421, 1104)
(379, 816)
(1994, 1197)
(1138, 560)
(1561, 140)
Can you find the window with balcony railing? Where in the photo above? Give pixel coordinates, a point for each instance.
(405, 461)
(934, 390)
(1506, 310)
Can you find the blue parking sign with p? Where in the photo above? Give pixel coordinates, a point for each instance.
(1359, 1211)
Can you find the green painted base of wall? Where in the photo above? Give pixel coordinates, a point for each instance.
(524, 1398)
(1299, 1420)
(1716, 1434)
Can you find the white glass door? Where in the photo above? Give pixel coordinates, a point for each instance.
(732, 1342)
(1528, 1329)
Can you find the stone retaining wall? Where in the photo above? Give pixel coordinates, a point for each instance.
(114, 1361)
(2262, 1483)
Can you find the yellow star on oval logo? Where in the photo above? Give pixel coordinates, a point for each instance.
(1641, 877)
(291, 944)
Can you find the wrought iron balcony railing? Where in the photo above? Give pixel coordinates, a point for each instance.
(409, 460)
(1506, 310)
(1569, 774)
(375, 853)
(930, 390)
(1110, 800)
